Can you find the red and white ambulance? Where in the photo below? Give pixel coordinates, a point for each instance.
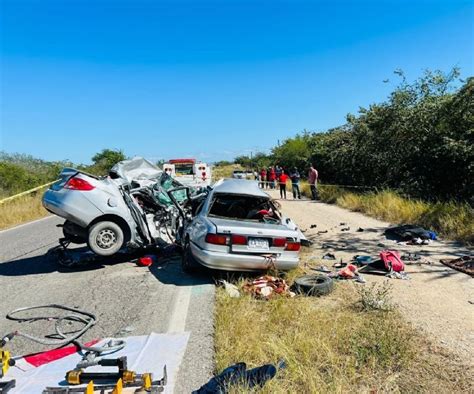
(189, 172)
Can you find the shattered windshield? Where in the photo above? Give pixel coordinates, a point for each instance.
(167, 183)
(234, 206)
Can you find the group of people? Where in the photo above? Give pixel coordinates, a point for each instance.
(269, 178)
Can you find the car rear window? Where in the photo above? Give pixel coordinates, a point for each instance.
(237, 206)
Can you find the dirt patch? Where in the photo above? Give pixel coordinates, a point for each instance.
(436, 299)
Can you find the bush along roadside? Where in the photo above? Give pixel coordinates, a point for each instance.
(451, 220)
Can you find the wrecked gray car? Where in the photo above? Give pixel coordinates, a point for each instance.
(136, 205)
(237, 227)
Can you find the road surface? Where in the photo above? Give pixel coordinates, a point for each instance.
(127, 299)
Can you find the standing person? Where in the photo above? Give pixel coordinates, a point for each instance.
(278, 171)
(282, 182)
(313, 182)
(295, 183)
(271, 178)
(263, 177)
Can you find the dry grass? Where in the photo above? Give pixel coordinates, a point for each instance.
(224, 171)
(21, 210)
(330, 344)
(451, 220)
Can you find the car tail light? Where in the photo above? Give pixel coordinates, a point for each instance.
(279, 242)
(239, 240)
(216, 239)
(78, 184)
(293, 246)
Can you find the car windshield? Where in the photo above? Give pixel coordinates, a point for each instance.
(235, 206)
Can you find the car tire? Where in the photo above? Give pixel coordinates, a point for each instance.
(188, 262)
(314, 285)
(105, 238)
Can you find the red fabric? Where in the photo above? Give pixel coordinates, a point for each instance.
(39, 359)
(392, 260)
(263, 174)
(283, 178)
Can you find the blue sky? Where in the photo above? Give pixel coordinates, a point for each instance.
(209, 79)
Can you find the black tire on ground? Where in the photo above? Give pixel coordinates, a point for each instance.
(105, 238)
(188, 262)
(314, 285)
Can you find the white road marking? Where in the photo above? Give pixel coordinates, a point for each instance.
(27, 224)
(177, 322)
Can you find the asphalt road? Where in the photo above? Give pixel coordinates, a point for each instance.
(127, 299)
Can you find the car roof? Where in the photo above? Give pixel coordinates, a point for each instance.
(239, 186)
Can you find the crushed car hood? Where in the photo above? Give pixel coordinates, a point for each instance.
(135, 169)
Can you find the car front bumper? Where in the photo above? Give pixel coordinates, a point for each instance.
(242, 262)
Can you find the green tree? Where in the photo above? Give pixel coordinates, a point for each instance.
(105, 160)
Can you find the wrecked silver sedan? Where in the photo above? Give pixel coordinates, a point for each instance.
(137, 205)
(238, 227)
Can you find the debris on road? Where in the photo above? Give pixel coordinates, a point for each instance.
(314, 285)
(145, 261)
(464, 264)
(238, 374)
(411, 233)
(231, 289)
(267, 286)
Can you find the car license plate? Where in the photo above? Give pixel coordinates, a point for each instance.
(258, 243)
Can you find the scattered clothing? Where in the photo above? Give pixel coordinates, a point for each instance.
(231, 289)
(239, 374)
(464, 264)
(362, 260)
(408, 232)
(398, 275)
(265, 287)
(329, 256)
(392, 260)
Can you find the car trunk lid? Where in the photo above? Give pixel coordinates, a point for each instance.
(246, 236)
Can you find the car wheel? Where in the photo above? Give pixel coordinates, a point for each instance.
(188, 262)
(105, 238)
(314, 285)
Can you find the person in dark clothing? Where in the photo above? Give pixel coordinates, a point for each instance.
(282, 182)
(295, 183)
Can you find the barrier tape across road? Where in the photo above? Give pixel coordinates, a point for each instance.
(25, 193)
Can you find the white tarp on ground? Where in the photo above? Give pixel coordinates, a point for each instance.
(147, 353)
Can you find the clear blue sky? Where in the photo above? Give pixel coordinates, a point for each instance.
(208, 79)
